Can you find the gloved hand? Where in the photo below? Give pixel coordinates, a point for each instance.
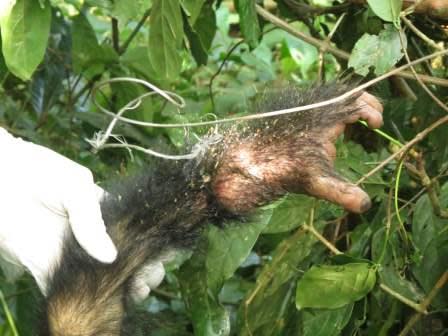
(42, 195)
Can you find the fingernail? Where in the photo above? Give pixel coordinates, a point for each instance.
(365, 204)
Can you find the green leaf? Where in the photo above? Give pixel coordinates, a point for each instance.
(266, 312)
(388, 10)
(85, 48)
(326, 322)
(229, 247)
(165, 38)
(290, 253)
(193, 8)
(25, 28)
(381, 52)
(137, 59)
(276, 281)
(360, 239)
(201, 34)
(334, 286)
(250, 27)
(391, 277)
(426, 226)
(432, 266)
(126, 10)
(291, 212)
(208, 316)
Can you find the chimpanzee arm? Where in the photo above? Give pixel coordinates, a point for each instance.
(166, 208)
(293, 153)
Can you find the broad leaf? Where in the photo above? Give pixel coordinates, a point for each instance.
(380, 52)
(249, 24)
(208, 316)
(165, 38)
(229, 247)
(334, 286)
(201, 34)
(46, 84)
(326, 322)
(431, 267)
(25, 28)
(291, 212)
(86, 51)
(388, 10)
(426, 226)
(126, 10)
(193, 8)
(400, 284)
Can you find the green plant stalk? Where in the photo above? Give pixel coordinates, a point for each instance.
(417, 307)
(397, 209)
(8, 314)
(383, 134)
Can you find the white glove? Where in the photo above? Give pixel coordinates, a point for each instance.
(42, 195)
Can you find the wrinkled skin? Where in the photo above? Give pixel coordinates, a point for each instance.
(261, 167)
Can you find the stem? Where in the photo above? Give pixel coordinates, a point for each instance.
(115, 35)
(403, 299)
(419, 137)
(9, 317)
(322, 239)
(128, 41)
(417, 32)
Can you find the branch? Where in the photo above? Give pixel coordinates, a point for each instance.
(333, 50)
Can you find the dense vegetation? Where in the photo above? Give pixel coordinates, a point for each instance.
(301, 266)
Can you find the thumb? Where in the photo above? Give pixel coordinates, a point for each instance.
(148, 277)
(84, 215)
(336, 190)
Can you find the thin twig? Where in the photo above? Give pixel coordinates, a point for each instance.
(417, 76)
(420, 34)
(323, 49)
(419, 137)
(322, 239)
(288, 28)
(403, 299)
(86, 87)
(210, 84)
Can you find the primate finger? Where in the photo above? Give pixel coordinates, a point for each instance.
(331, 152)
(335, 132)
(336, 190)
(370, 110)
(372, 101)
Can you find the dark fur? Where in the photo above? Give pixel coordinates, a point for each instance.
(167, 207)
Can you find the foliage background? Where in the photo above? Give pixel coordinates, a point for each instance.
(301, 266)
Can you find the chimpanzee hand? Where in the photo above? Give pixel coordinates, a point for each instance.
(324, 182)
(293, 153)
